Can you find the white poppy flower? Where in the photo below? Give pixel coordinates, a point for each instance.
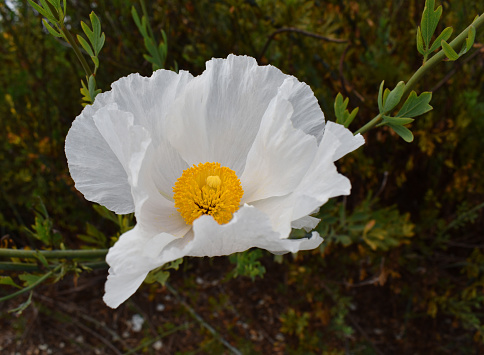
(210, 165)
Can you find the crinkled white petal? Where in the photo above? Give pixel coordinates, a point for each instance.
(307, 115)
(320, 183)
(348, 142)
(279, 156)
(99, 151)
(307, 223)
(130, 260)
(248, 228)
(98, 171)
(218, 117)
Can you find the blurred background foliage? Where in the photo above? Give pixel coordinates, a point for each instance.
(402, 266)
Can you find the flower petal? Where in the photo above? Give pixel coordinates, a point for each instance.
(130, 260)
(218, 117)
(279, 156)
(95, 168)
(321, 182)
(249, 228)
(307, 115)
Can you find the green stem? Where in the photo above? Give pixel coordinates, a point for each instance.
(54, 254)
(76, 49)
(425, 68)
(38, 282)
(370, 124)
(35, 267)
(437, 58)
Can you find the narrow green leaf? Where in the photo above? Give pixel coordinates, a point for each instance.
(7, 280)
(88, 32)
(420, 47)
(56, 4)
(136, 19)
(444, 36)
(351, 117)
(41, 11)
(397, 121)
(95, 60)
(416, 106)
(393, 97)
(100, 44)
(41, 258)
(430, 20)
(85, 45)
(50, 29)
(470, 38)
(380, 97)
(96, 25)
(403, 132)
(339, 108)
(47, 8)
(449, 51)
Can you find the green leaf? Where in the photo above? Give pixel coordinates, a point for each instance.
(469, 41)
(29, 279)
(449, 51)
(380, 97)
(352, 116)
(416, 106)
(444, 36)
(95, 60)
(430, 19)
(104, 212)
(41, 11)
(397, 121)
(85, 45)
(394, 97)
(41, 258)
(403, 132)
(88, 32)
(49, 9)
(50, 29)
(420, 47)
(7, 280)
(339, 108)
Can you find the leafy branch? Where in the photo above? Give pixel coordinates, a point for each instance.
(414, 105)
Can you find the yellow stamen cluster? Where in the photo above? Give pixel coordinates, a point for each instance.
(207, 189)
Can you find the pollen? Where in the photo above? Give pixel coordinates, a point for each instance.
(207, 189)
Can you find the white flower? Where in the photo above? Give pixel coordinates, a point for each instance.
(210, 165)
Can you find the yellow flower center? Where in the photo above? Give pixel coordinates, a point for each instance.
(207, 189)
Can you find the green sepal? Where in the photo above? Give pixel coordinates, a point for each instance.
(416, 105)
(420, 46)
(430, 20)
(444, 36)
(50, 29)
(380, 96)
(449, 51)
(403, 132)
(394, 97)
(397, 121)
